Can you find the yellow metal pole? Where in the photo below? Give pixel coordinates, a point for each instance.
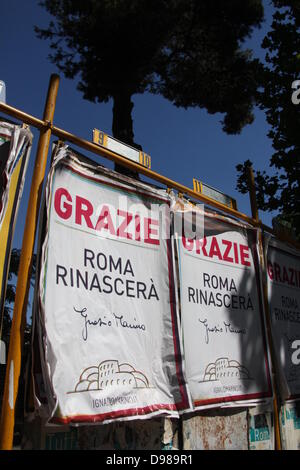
(254, 210)
(104, 152)
(45, 126)
(21, 299)
(252, 193)
(21, 115)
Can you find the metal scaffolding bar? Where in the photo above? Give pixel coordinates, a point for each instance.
(47, 129)
(13, 367)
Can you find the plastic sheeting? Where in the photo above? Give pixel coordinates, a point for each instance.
(106, 313)
(15, 146)
(283, 282)
(226, 353)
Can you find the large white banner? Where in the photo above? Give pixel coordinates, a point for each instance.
(283, 278)
(107, 291)
(223, 329)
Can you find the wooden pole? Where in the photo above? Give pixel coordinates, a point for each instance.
(254, 210)
(17, 330)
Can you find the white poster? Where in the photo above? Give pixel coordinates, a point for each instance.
(223, 330)
(290, 425)
(261, 429)
(283, 278)
(112, 349)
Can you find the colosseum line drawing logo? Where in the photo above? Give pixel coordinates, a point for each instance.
(108, 374)
(225, 368)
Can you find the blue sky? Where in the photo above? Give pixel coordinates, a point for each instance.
(182, 143)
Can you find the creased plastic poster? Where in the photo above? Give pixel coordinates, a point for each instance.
(290, 425)
(283, 280)
(15, 146)
(226, 355)
(107, 291)
(261, 428)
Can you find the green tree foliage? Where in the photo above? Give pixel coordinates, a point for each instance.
(188, 51)
(11, 291)
(281, 191)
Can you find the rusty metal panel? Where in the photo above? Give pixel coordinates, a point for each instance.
(154, 434)
(216, 430)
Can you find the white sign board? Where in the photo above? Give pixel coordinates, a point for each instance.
(112, 347)
(223, 329)
(283, 277)
(119, 147)
(214, 194)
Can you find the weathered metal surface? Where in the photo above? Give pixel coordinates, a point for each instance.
(154, 434)
(216, 430)
(231, 429)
